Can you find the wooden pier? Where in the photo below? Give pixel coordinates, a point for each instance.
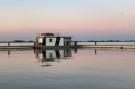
(74, 44)
(109, 44)
(16, 45)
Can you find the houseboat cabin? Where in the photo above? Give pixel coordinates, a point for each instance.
(52, 40)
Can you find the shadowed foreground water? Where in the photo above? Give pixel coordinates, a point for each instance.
(67, 69)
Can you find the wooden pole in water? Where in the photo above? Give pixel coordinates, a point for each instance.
(95, 43)
(75, 43)
(8, 44)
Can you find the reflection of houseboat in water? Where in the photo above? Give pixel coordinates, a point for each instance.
(46, 56)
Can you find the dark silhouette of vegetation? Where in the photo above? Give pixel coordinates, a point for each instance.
(31, 41)
(19, 41)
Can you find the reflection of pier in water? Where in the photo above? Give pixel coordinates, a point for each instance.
(57, 55)
(47, 56)
(51, 54)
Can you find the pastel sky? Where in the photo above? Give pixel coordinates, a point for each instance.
(83, 19)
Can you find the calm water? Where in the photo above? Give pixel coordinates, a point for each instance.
(67, 69)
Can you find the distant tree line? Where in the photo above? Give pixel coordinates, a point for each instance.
(22, 41)
(18, 41)
(108, 41)
(112, 41)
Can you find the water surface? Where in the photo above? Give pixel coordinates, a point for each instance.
(67, 69)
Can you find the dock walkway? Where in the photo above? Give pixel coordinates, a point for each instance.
(75, 44)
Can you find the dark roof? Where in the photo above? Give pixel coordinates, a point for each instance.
(47, 34)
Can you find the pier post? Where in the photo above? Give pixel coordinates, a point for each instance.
(95, 43)
(8, 44)
(75, 44)
(34, 45)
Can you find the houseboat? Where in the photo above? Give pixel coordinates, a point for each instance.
(51, 40)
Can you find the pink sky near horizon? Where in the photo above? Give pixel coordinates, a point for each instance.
(72, 16)
(94, 25)
(65, 23)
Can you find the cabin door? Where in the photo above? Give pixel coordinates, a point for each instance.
(44, 41)
(57, 41)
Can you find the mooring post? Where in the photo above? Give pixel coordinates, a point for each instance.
(34, 45)
(95, 43)
(75, 43)
(8, 44)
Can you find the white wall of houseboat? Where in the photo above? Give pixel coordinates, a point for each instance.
(48, 43)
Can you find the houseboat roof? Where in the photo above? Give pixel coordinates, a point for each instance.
(52, 35)
(55, 36)
(47, 34)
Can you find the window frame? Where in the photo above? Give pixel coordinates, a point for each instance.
(50, 40)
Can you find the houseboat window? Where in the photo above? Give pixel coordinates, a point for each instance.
(40, 40)
(50, 40)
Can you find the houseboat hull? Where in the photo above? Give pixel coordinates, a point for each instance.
(51, 47)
